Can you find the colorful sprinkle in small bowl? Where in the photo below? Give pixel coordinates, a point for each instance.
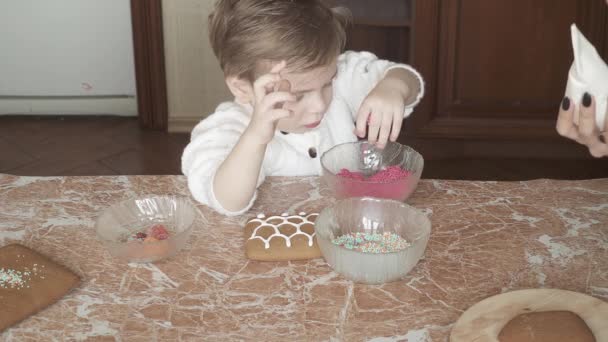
(370, 240)
(148, 228)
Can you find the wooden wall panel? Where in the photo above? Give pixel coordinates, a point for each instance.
(497, 69)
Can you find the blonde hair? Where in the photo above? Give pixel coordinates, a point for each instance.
(305, 33)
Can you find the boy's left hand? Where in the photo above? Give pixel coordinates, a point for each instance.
(383, 110)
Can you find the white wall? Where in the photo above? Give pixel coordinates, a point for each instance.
(65, 48)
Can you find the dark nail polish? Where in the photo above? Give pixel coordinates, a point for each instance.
(566, 103)
(602, 138)
(587, 100)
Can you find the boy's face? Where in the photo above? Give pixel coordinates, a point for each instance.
(313, 91)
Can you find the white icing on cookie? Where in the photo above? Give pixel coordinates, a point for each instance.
(284, 218)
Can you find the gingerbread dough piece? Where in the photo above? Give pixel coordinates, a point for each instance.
(279, 238)
(484, 321)
(29, 283)
(549, 326)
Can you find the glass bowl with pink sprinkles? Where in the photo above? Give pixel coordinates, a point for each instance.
(371, 240)
(361, 170)
(147, 228)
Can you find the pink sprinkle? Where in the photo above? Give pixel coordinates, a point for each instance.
(352, 175)
(159, 232)
(140, 235)
(390, 182)
(389, 174)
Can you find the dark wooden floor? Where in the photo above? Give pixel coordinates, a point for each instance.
(45, 146)
(49, 146)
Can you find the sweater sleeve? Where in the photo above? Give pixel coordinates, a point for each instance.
(358, 74)
(211, 142)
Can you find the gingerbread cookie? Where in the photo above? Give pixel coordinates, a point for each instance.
(285, 237)
(548, 326)
(29, 282)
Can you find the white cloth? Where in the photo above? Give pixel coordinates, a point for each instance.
(286, 155)
(588, 73)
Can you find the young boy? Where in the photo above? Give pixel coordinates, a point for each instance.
(295, 97)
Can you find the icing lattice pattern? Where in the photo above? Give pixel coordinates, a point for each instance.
(278, 221)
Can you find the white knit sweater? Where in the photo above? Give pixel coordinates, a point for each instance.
(286, 155)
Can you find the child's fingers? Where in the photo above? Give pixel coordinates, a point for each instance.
(276, 99)
(385, 129)
(278, 114)
(382, 137)
(396, 126)
(565, 120)
(362, 118)
(261, 85)
(587, 128)
(284, 85)
(277, 68)
(373, 129)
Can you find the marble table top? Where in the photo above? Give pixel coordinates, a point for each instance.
(487, 238)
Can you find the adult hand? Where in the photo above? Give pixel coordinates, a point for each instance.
(586, 132)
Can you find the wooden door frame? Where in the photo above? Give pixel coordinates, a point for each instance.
(149, 57)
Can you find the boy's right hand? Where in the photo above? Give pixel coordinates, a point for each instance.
(270, 92)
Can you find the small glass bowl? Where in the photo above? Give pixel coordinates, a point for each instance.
(365, 158)
(372, 215)
(118, 224)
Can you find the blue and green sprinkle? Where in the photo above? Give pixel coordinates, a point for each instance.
(372, 243)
